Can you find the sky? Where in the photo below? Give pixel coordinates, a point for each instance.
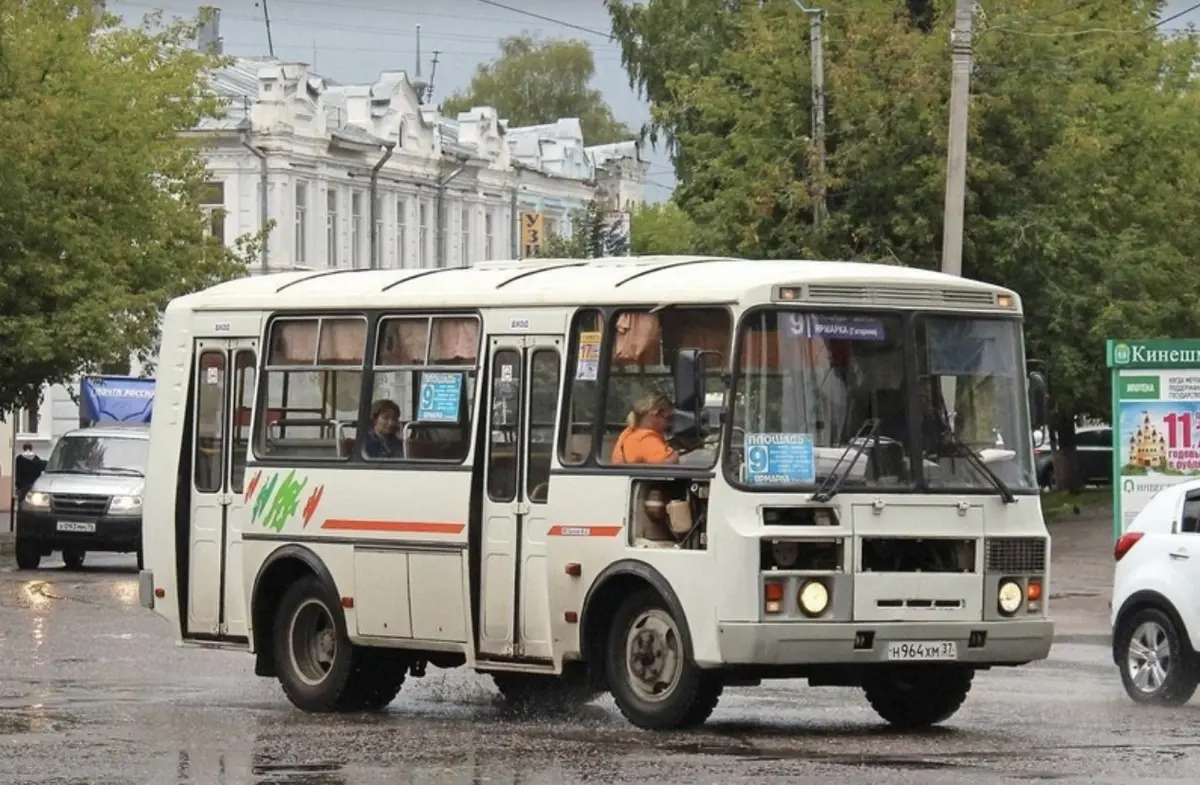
(353, 41)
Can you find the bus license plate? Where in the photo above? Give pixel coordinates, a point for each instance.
(922, 650)
(77, 526)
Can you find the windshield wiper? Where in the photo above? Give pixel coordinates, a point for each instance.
(123, 470)
(975, 460)
(829, 488)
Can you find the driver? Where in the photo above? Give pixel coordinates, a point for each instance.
(644, 438)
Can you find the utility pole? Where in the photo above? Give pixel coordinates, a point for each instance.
(816, 38)
(956, 149)
(267, 21)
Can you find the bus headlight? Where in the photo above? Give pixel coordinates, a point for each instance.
(1009, 597)
(814, 598)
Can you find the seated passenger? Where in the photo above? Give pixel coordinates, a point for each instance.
(644, 438)
(381, 441)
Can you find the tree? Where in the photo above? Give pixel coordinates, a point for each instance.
(591, 236)
(100, 220)
(535, 82)
(1078, 182)
(662, 229)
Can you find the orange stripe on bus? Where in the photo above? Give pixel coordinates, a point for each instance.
(568, 530)
(405, 527)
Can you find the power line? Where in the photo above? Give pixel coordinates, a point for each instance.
(549, 19)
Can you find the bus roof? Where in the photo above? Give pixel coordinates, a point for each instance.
(609, 280)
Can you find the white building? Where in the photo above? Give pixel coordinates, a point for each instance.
(366, 175)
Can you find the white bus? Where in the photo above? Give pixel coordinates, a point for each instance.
(358, 473)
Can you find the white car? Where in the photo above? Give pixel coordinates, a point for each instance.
(1156, 598)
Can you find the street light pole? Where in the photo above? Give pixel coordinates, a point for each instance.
(956, 150)
(816, 37)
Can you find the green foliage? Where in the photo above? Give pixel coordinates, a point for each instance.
(1081, 178)
(535, 82)
(100, 221)
(662, 229)
(590, 236)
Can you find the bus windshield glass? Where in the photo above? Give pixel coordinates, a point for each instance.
(810, 389)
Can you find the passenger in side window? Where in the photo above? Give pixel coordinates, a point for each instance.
(381, 441)
(644, 438)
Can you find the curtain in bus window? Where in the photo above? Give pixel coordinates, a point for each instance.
(342, 341)
(697, 328)
(402, 342)
(455, 341)
(639, 339)
(295, 342)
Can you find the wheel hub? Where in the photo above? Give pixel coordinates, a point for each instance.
(649, 655)
(653, 655)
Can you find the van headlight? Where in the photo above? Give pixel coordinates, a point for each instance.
(814, 598)
(125, 504)
(1009, 597)
(36, 500)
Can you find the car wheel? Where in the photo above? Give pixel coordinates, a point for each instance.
(73, 558)
(1154, 667)
(29, 555)
(653, 679)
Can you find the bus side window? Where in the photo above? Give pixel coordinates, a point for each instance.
(426, 365)
(311, 386)
(583, 363)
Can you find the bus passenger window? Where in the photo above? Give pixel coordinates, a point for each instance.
(579, 416)
(543, 403)
(425, 367)
(311, 388)
(642, 355)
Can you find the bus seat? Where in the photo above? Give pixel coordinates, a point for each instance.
(606, 446)
(347, 446)
(578, 447)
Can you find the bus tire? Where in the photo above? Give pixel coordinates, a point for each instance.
(533, 693)
(376, 682)
(652, 677)
(316, 663)
(911, 697)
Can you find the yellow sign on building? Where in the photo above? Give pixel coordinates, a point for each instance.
(532, 234)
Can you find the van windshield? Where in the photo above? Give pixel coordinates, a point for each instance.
(98, 455)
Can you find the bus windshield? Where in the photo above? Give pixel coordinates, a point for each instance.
(810, 389)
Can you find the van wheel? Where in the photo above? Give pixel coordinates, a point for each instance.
(653, 679)
(530, 693)
(910, 697)
(1154, 668)
(316, 663)
(73, 558)
(29, 554)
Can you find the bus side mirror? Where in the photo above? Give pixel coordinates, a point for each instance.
(689, 379)
(1039, 396)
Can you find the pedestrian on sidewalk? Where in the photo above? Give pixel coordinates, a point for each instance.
(30, 466)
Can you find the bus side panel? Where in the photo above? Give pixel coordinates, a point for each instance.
(589, 526)
(164, 512)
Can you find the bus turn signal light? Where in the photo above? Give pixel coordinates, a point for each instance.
(1034, 592)
(773, 597)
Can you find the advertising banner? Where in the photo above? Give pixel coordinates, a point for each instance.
(1156, 421)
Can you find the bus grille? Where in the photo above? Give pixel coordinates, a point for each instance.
(82, 504)
(1015, 555)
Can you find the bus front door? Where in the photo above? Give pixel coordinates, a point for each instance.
(522, 403)
(223, 391)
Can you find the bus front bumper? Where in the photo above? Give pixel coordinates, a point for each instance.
(799, 643)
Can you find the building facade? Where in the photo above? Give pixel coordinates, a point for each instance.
(369, 176)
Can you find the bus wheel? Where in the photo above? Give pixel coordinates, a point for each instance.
(916, 696)
(313, 656)
(531, 693)
(377, 681)
(653, 680)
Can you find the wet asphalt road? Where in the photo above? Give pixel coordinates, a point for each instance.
(92, 690)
